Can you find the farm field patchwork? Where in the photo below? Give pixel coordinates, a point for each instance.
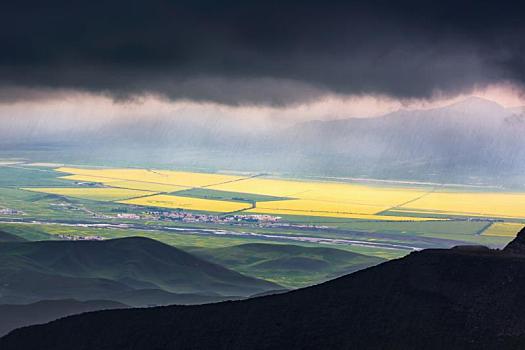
(314, 215)
(206, 193)
(503, 229)
(145, 186)
(470, 204)
(187, 203)
(268, 195)
(96, 194)
(368, 199)
(381, 220)
(321, 206)
(222, 193)
(164, 177)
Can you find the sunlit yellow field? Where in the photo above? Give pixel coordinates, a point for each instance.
(164, 177)
(336, 215)
(97, 194)
(306, 205)
(197, 204)
(503, 229)
(375, 196)
(305, 198)
(484, 204)
(133, 185)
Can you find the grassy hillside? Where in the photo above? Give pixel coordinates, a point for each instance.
(127, 267)
(463, 298)
(288, 265)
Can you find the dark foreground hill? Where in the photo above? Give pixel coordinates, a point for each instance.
(15, 316)
(134, 271)
(462, 298)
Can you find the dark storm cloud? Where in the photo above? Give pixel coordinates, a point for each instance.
(260, 51)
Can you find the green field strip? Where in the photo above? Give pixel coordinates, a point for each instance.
(144, 196)
(407, 202)
(230, 181)
(124, 180)
(205, 193)
(86, 195)
(240, 211)
(483, 229)
(447, 215)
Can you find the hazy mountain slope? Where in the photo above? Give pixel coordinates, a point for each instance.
(466, 298)
(15, 316)
(474, 137)
(31, 271)
(288, 265)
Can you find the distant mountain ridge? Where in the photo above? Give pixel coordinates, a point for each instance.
(475, 137)
(461, 298)
(131, 270)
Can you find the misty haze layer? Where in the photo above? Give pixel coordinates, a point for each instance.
(474, 141)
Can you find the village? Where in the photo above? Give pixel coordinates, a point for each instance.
(188, 217)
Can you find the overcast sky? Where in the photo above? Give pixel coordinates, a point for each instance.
(279, 61)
